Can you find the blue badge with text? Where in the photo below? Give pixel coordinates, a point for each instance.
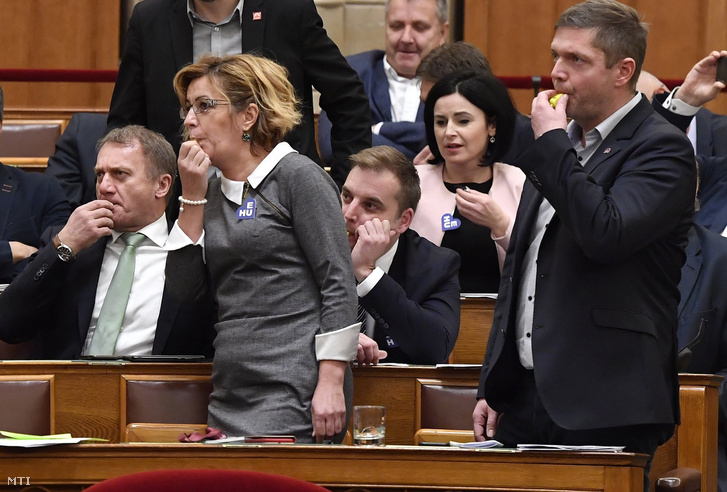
(247, 210)
(390, 343)
(449, 223)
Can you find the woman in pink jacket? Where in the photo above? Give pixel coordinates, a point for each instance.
(469, 198)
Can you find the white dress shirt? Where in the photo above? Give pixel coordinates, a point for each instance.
(145, 299)
(403, 93)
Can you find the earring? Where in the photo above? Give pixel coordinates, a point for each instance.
(246, 137)
(492, 139)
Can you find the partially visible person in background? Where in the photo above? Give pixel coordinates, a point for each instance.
(29, 204)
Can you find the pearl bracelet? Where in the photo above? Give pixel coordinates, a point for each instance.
(183, 201)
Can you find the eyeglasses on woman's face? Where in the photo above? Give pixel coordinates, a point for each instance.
(200, 106)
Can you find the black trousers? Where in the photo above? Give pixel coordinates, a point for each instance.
(527, 422)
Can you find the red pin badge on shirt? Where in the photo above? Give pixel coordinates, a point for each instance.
(257, 16)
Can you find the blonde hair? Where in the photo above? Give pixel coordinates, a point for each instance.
(245, 79)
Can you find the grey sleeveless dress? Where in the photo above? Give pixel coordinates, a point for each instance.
(279, 279)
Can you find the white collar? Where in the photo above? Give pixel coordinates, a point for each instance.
(157, 231)
(233, 189)
(192, 14)
(392, 75)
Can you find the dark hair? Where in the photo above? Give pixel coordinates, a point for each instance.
(449, 58)
(384, 158)
(488, 93)
(619, 32)
(2, 104)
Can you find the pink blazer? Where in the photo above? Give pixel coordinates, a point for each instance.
(507, 185)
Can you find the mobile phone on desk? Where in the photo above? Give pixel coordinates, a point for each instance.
(722, 69)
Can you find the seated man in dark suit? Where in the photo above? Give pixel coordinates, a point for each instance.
(115, 280)
(75, 157)
(29, 203)
(408, 287)
(703, 321)
(413, 29)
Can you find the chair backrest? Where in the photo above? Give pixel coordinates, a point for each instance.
(204, 480)
(29, 143)
(444, 405)
(164, 399)
(27, 404)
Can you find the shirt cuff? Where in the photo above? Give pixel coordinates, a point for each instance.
(369, 282)
(178, 239)
(338, 345)
(377, 128)
(678, 106)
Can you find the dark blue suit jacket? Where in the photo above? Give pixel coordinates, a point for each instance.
(711, 133)
(53, 300)
(29, 204)
(703, 288)
(605, 309)
(417, 304)
(408, 137)
(712, 194)
(75, 157)
(712, 212)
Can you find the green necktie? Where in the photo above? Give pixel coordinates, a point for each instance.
(114, 306)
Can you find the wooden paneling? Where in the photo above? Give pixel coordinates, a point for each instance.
(515, 36)
(75, 34)
(474, 329)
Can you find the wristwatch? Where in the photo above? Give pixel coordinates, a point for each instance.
(65, 253)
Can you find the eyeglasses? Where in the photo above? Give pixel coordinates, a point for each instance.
(200, 106)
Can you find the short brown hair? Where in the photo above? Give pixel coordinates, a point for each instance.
(384, 158)
(442, 11)
(245, 79)
(449, 58)
(160, 157)
(619, 31)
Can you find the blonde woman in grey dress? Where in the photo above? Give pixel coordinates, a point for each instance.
(276, 250)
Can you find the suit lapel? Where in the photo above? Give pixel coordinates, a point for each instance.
(526, 216)
(253, 25)
(169, 308)
(396, 270)
(7, 191)
(624, 130)
(181, 34)
(691, 269)
(380, 92)
(704, 132)
(88, 264)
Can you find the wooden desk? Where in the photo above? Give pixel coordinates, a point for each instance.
(339, 468)
(87, 402)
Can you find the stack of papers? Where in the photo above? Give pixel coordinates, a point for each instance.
(563, 447)
(477, 444)
(16, 440)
